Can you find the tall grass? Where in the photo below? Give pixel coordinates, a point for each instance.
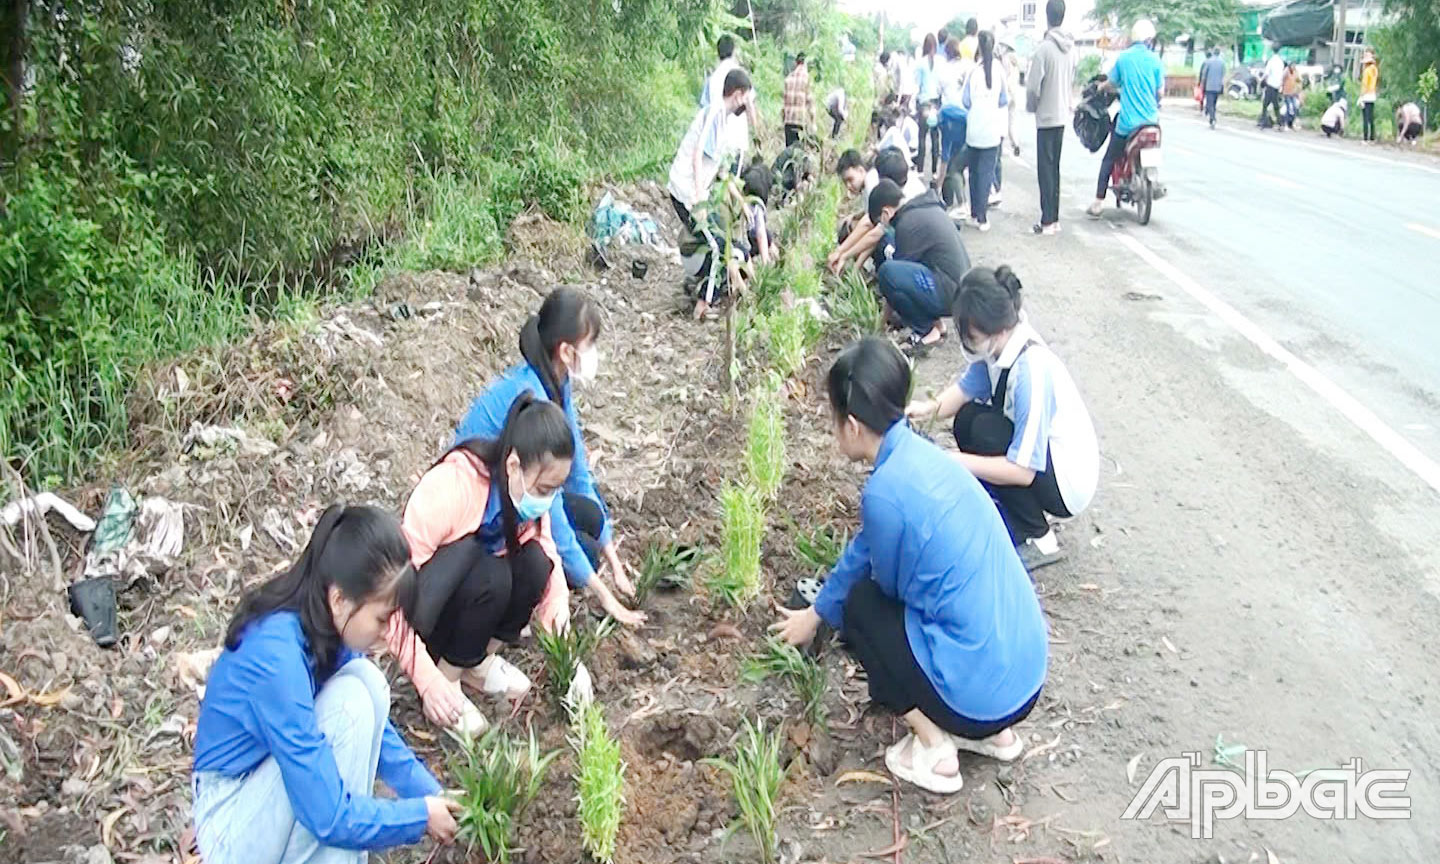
(599, 782)
(736, 581)
(765, 443)
(755, 777)
(498, 777)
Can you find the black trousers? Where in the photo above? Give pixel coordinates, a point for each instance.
(929, 137)
(589, 522)
(985, 431)
(1113, 153)
(1270, 100)
(684, 213)
(792, 134)
(488, 597)
(839, 121)
(1047, 168)
(1211, 98)
(875, 633)
(1367, 111)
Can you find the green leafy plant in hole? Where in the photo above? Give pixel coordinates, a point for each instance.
(564, 652)
(599, 781)
(765, 443)
(854, 306)
(818, 550)
(736, 581)
(790, 333)
(755, 777)
(805, 674)
(497, 777)
(665, 565)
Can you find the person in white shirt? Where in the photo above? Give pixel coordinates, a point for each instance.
(903, 134)
(1332, 122)
(737, 134)
(1020, 422)
(986, 97)
(1274, 78)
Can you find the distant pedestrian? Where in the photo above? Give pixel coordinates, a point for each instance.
(1409, 123)
(1290, 90)
(970, 45)
(1212, 82)
(798, 112)
(835, 107)
(986, 96)
(1333, 120)
(927, 106)
(1274, 79)
(1369, 91)
(1047, 94)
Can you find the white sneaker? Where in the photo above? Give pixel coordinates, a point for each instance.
(983, 226)
(500, 677)
(995, 199)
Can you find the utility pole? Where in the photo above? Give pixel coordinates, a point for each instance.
(1343, 62)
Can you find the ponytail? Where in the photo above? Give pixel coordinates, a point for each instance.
(987, 54)
(535, 430)
(568, 316)
(988, 301)
(359, 550)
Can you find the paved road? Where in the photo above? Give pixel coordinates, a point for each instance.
(1258, 564)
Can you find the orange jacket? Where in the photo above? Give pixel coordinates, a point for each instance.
(448, 504)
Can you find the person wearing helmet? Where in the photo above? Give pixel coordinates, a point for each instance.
(1139, 78)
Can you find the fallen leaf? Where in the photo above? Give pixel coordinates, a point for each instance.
(725, 631)
(862, 777)
(1131, 766)
(893, 848)
(1270, 857)
(47, 700)
(117, 708)
(13, 691)
(107, 827)
(1170, 645)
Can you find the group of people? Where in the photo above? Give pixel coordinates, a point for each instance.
(931, 594)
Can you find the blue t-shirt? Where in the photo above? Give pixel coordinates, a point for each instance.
(931, 538)
(1140, 78)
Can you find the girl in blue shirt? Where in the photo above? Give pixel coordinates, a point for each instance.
(293, 729)
(929, 595)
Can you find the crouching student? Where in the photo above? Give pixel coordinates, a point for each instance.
(868, 239)
(480, 529)
(1020, 423)
(759, 180)
(559, 345)
(920, 279)
(929, 594)
(294, 726)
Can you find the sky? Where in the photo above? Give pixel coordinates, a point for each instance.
(929, 15)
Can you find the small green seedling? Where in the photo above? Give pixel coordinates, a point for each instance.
(854, 307)
(665, 565)
(600, 781)
(755, 777)
(820, 549)
(736, 582)
(765, 444)
(564, 652)
(808, 677)
(498, 777)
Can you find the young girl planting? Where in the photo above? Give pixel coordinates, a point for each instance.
(929, 594)
(480, 529)
(293, 730)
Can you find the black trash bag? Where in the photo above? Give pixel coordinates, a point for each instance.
(93, 601)
(1092, 115)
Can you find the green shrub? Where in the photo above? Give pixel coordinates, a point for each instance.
(564, 652)
(736, 581)
(498, 777)
(599, 782)
(765, 443)
(755, 777)
(664, 565)
(805, 674)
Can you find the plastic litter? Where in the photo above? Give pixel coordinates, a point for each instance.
(46, 502)
(615, 223)
(582, 689)
(206, 441)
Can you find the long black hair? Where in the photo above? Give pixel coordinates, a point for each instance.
(568, 316)
(987, 53)
(929, 48)
(987, 300)
(359, 550)
(870, 381)
(535, 430)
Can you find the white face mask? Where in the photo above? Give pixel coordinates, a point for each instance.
(978, 356)
(589, 365)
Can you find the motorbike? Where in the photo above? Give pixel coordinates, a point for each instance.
(1135, 179)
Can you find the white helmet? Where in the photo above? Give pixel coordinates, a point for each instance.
(1142, 31)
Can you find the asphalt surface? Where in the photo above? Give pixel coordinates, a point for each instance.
(1258, 566)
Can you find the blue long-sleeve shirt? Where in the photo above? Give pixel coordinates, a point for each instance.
(260, 702)
(486, 419)
(931, 538)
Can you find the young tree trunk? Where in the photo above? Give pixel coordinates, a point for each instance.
(14, 16)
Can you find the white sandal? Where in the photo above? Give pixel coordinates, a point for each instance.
(500, 677)
(921, 770)
(986, 747)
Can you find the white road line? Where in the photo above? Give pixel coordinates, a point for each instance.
(1403, 451)
(1277, 181)
(1348, 153)
(1424, 229)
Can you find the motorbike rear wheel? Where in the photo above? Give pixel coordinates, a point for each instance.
(1144, 198)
